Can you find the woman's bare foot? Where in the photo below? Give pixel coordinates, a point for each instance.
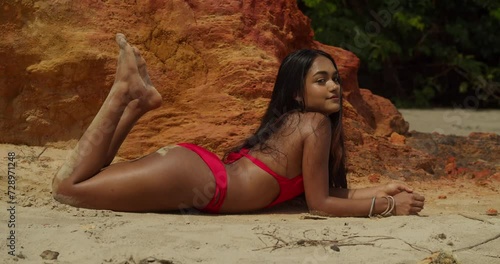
(129, 84)
(153, 94)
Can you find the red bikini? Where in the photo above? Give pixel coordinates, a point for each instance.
(289, 188)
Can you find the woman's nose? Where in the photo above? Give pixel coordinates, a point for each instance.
(333, 86)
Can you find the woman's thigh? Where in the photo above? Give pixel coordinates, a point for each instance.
(169, 179)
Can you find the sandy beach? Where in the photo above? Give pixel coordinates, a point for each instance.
(454, 220)
(460, 122)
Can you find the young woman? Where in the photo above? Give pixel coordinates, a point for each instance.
(297, 148)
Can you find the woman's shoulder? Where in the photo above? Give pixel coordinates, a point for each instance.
(297, 126)
(309, 122)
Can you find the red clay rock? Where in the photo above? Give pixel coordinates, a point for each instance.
(374, 178)
(451, 166)
(495, 177)
(462, 170)
(459, 156)
(386, 118)
(483, 135)
(203, 56)
(478, 175)
(397, 139)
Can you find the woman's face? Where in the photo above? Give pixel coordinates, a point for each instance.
(322, 87)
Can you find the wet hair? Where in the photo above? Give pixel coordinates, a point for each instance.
(290, 83)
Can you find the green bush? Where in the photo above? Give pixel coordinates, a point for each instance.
(418, 53)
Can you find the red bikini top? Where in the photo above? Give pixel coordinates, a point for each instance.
(289, 188)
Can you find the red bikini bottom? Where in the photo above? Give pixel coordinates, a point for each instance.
(219, 172)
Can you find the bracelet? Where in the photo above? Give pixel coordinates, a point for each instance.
(388, 206)
(372, 206)
(393, 204)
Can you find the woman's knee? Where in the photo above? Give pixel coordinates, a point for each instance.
(62, 191)
(58, 190)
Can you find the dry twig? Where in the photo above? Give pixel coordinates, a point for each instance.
(332, 243)
(312, 217)
(37, 157)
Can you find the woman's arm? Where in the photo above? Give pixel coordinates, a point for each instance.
(405, 204)
(315, 171)
(391, 189)
(364, 193)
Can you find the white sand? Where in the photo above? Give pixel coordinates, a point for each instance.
(279, 235)
(458, 122)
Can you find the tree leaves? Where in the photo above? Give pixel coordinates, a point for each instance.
(440, 52)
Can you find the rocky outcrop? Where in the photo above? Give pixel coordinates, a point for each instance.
(214, 63)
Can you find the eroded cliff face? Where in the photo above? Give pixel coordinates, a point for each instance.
(214, 62)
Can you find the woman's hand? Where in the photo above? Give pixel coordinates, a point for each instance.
(408, 203)
(392, 189)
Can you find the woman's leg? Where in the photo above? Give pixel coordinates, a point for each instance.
(132, 112)
(159, 181)
(152, 183)
(128, 92)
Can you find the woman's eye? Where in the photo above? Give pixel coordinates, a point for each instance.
(336, 79)
(321, 81)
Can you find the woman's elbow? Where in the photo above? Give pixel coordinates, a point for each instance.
(319, 208)
(326, 209)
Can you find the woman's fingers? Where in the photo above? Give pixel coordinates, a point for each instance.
(418, 197)
(405, 188)
(418, 204)
(418, 201)
(415, 210)
(409, 203)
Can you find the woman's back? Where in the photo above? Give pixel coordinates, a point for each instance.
(283, 155)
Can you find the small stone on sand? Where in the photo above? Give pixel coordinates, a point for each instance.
(49, 255)
(492, 212)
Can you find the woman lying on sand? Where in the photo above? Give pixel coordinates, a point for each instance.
(299, 147)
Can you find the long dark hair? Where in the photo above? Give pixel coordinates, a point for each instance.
(289, 84)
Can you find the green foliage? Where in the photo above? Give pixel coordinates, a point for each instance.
(418, 53)
(407, 22)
